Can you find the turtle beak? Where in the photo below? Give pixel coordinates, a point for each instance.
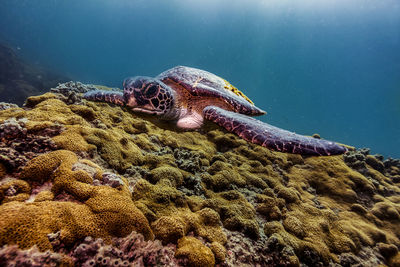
(137, 106)
(131, 102)
(130, 99)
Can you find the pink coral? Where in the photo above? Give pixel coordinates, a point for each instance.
(127, 251)
(18, 145)
(244, 251)
(13, 256)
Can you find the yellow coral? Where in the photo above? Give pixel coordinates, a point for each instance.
(70, 139)
(169, 173)
(117, 148)
(103, 212)
(236, 213)
(44, 196)
(169, 229)
(197, 254)
(174, 219)
(21, 190)
(313, 204)
(219, 251)
(34, 100)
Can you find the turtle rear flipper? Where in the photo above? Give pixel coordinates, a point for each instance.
(271, 137)
(113, 97)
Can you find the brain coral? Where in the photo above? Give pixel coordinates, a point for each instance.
(98, 211)
(248, 205)
(197, 254)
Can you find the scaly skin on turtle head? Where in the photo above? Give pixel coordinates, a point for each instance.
(148, 95)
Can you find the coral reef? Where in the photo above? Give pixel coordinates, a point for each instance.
(101, 211)
(71, 92)
(18, 145)
(131, 250)
(196, 253)
(73, 169)
(244, 251)
(12, 256)
(4, 105)
(361, 161)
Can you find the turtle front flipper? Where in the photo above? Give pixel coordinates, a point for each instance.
(269, 136)
(113, 97)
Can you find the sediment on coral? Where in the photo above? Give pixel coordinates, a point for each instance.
(114, 172)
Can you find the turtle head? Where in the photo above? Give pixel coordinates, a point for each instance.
(148, 95)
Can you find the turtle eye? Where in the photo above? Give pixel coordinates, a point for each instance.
(150, 91)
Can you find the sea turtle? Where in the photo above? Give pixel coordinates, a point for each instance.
(187, 96)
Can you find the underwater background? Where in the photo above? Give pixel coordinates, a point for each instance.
(327, 67)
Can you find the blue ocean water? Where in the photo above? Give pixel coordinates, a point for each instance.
(330, 67)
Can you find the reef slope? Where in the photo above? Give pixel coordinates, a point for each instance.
(77, 175)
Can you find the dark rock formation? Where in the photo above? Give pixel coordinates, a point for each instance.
(19, 79)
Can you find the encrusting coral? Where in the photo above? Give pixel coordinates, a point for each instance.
(13, 256)
(102, 171)
(197, 254)
(131, 250)
(98, 211)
